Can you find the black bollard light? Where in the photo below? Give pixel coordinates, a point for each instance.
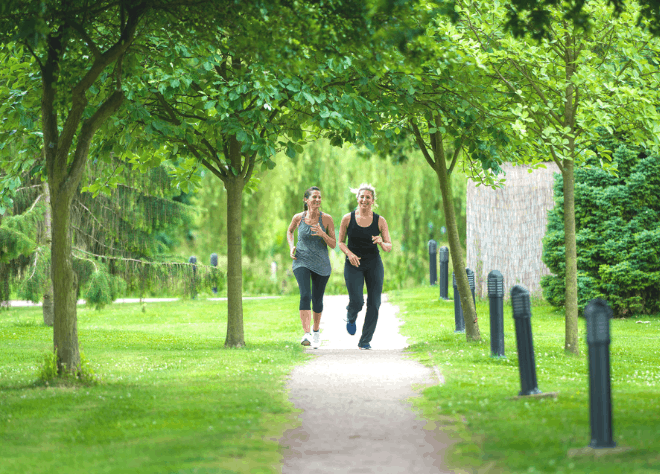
(214, 263)
(496, 305)
(443, 256)
(471, 282)
(193, 289)
(522, 314)
(598, 314)
(458, 311)
(433, 268)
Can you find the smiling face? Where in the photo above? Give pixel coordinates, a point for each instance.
(365, 199)
(314, 200)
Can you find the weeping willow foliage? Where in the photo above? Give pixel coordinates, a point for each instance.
(18, 233)
(122, 239)
(22, 258)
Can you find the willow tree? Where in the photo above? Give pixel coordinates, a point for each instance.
(562, 89)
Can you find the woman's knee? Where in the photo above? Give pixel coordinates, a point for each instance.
(305, 301)
(373, 301)
(355, 304)
(317, 306)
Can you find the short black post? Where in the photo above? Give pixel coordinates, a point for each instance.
(598, 314)
(193, 280)
(433, 266)
(458, 311)
(443, 256)
(496, 304)
(471, 282)
(214, 263)
(522, 314)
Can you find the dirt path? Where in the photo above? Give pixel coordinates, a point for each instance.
(355, 414)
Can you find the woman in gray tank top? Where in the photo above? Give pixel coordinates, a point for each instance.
(316, 232)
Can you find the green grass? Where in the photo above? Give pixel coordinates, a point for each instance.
(171, 398)
(498, 433)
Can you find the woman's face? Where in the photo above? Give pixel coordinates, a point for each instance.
(314, 200)
(365, 199)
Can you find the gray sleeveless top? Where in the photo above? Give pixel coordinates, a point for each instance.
(312, 251)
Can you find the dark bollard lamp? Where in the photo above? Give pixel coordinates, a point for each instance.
(496, 306)
(522, 314)
(443, 256)
(433, 268)
(597, 314)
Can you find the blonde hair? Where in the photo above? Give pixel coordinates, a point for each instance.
(365, 187)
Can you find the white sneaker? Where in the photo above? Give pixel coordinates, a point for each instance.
(316, 339)
(307, 339)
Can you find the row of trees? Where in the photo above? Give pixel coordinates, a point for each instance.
(407, 197)
(225, 87)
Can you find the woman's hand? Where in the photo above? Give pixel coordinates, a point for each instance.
(376, 239)
(293, 253)
(354, 259)
(317, 231)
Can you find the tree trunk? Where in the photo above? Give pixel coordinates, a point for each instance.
(47, 307)
(458, 261)
(571, 303)
(235, 335)
(65, 330)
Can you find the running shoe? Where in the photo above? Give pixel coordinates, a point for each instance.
(351, 327)
(307, 339)
(316, 339)
(364, 347)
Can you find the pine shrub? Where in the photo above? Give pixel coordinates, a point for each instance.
(617, 234)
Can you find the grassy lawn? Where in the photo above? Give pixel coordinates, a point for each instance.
(502, 434)
(170, 400)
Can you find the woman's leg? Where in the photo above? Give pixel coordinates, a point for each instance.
(354, 279)
(303, 276)
(318, 290)
(374, 276)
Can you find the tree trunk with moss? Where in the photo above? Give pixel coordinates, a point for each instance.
(571, 296)
(234, 184)
(472, 332)
(48, 309)
(438, 161)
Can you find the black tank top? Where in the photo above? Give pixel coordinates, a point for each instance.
(359, 238)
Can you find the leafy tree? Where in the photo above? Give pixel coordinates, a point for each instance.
(229, 106)
(535, 17)
(71, 61)
(619, 234)
(562, 89)
(431, 96)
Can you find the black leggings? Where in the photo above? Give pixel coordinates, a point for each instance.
(313, 294)
(372, 273)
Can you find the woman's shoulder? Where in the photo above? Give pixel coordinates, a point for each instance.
(326, 217)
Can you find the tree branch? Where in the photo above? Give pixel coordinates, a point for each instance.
(421, 144)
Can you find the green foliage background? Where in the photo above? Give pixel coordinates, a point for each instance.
(618, 234)
(408, 196)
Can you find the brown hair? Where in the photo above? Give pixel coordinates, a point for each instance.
(308, 193)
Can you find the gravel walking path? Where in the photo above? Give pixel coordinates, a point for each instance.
(355, 414)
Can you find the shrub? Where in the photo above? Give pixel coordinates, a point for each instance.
(617, 232)
(49, 375)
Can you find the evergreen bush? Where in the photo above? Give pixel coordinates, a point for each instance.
(617, 231)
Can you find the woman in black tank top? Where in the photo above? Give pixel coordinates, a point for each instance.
(367, 232)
